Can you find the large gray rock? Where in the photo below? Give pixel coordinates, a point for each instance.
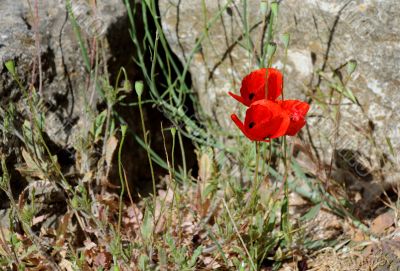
(67, 92)
(324, 35)
(64, 80)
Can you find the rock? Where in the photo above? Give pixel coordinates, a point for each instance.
(66, 91)
(324, 35)
(62, 63)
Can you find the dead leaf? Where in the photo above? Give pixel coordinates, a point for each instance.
(359, 236)
(102, 259)
(380, 224)
(66, 265)
(30, 168)
(62, 228)
(30, 162)
(205, 167)
(39, 219)
(166, 196)
(111, 146)
(4, 235)
(88, 177)
(89, 244)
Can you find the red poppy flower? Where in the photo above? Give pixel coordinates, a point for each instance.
(253, 86)
(297, 111)
(264, 120)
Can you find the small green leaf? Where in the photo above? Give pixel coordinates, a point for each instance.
(147, 226)
(195, 255)
(11, 67)
(98, 124)
(351, 66)
(271, 49)
(349, 94)
(389, 143)
(285, 39)
(312, 213)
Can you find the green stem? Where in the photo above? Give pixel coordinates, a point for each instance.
(183, 154)
(147, 148)
(121, 176)
(253, 194)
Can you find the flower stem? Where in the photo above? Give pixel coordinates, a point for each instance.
(147, 148)
(285, 223)
(253, 194)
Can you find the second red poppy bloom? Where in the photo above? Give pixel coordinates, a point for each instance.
(264, 120)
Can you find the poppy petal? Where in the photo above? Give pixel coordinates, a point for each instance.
(237, 97)
(284, 126)
(297, 111)
(275, 84)
(277, 123)
(254, 86)
(240, 125)
(295, 127)
(295, 105)
(268, 118)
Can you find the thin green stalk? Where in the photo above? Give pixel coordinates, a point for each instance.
(121, 177)
(257, 144)
(145, 134)
(270, 31)
(285, 222)
(173, 133)
(170, 170)
(286, 41)
(77, 32)
(173, 181)
(253, 194)
(182, 147)
(265, 151)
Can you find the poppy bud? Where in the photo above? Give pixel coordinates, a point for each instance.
(124, 128)
(139, 88)
(127, 86)
(173, 132)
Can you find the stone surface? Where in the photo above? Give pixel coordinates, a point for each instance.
(62, 63)
(64, 79)
(324, 36)
(66, 89)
